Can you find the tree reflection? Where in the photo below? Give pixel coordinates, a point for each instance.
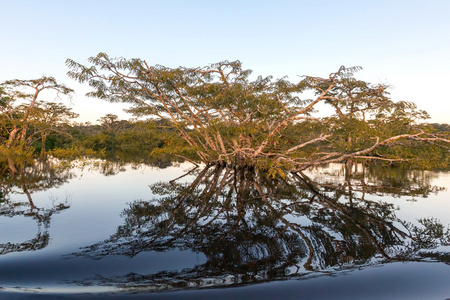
(115, 165)
(252, 227)
(22, 178)
(377, 180)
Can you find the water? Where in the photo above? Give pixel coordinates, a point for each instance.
(127, 230)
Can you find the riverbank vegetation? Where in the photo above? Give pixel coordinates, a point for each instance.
(220, 114)
(226, 118)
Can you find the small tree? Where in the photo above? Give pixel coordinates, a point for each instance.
(15, 118)
(47, 118)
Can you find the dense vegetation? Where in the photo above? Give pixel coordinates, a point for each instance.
(31, 126)
(225, 118)
(218, 115)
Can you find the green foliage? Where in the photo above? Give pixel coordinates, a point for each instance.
(26, 119)
(16, 152)
(114, 138)
(73, 152)
(227, 118)
(441, 127)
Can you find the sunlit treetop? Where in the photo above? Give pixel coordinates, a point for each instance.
(227, 118)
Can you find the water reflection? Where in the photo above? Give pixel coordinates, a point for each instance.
(118, 164)
(378, 180)
(254, 228)
(22, 178)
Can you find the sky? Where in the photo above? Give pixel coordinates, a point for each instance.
(403, 43)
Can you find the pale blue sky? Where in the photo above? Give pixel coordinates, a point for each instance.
(402, 43)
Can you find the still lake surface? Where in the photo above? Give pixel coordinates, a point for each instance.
(117, 230)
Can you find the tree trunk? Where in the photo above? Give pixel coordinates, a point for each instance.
(43, 139)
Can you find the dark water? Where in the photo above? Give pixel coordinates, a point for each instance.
(100, 229)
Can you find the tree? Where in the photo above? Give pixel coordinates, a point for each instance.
(226, 118)
(16, 117)
(47, 118)
(111, 123)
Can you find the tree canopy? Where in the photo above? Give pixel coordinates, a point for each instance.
(25, 118)
(226, 117)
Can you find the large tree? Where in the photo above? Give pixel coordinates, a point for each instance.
(226, 118)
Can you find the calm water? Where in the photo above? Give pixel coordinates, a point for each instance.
(131, 231)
